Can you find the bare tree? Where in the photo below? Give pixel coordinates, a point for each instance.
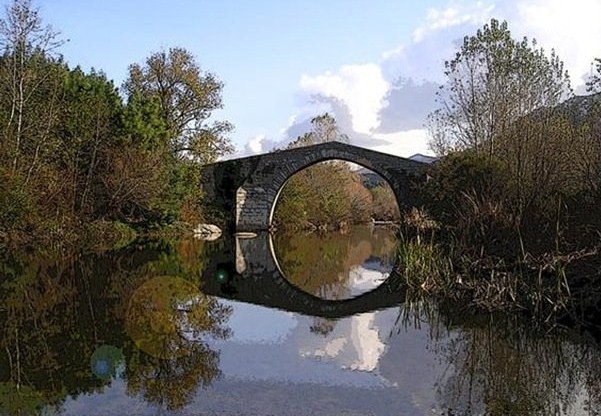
(24, 41)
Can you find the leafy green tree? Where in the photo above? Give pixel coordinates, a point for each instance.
(186, 98)
(170, 102)
(143, 125)
(492, 81)
(90, 123)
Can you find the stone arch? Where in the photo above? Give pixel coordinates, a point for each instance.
(310, 161)
(248, 187)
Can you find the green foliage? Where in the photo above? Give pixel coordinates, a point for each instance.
(315, 197)
(16, 203)
(186, 97)
(424, 265)
(19, 400)
(143, 125)
(458, 174)
(503, 102)
(72, 152)
(469, 195)
(492, 81)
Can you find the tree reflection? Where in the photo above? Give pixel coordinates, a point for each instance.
(56, 310)
(500, 366)
(166, 319)
(171, 383)
(320, 263)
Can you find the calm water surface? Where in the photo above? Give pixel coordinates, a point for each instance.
(297, 325)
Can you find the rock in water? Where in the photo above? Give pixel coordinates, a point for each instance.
(207, 232)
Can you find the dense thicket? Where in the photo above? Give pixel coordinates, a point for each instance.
(515, 197)
(75, 152)
(519, 156)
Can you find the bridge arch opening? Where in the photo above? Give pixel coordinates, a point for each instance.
(333, 194)
(346, 199)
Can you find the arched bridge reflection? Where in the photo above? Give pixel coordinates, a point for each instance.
(246, 269)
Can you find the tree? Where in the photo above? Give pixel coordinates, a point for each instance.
(186, 98)
(27, 44)
(385, 207)
(492, 81)
(323, 129)
(594, 83)
(89, 126)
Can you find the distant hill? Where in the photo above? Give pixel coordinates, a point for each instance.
(418, 157)
(578, 109)
(371, 179)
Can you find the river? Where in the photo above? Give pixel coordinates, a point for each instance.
(291, 325)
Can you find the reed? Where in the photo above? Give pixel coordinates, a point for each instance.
(450, 270)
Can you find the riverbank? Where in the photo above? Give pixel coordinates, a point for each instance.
(549, 287)
(97, 235)
(343, 227)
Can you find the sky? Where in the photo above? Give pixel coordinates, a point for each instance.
(374, 64)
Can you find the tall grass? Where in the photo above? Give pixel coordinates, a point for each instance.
(450, 270)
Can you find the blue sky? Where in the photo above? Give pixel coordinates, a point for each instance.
(285, 61)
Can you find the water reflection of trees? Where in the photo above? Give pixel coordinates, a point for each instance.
(502, 366)
(57, 309)
(320, 263)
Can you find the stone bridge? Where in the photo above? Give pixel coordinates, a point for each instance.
(247, 270)
(247, 188)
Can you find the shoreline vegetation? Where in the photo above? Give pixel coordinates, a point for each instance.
(549, 288)
(82, 159)
(511, 214)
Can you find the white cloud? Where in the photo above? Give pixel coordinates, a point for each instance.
(361, 87)
(404, 143)
(367, 100)
(255, 145)
(454, 15)
(570, 27)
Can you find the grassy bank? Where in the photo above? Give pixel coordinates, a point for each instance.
(549, 287)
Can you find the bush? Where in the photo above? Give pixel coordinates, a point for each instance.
(17, 203)
(469, 195)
